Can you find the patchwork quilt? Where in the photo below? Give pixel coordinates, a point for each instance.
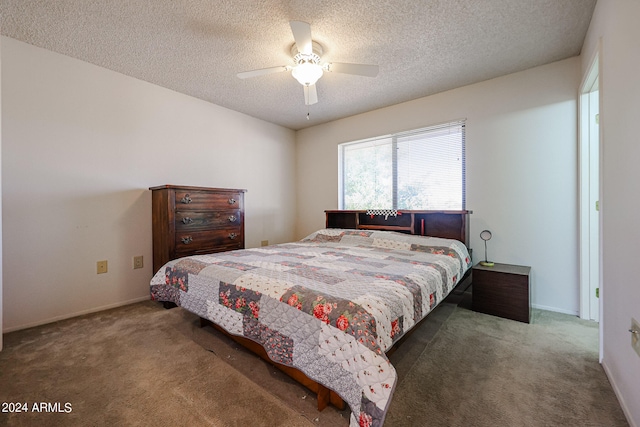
(329, 305)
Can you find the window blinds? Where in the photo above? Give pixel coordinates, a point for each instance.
(422, 169)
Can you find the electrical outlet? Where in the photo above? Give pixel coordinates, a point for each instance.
(264, 243)
(102, 267)
(138, 262)
(635, 335)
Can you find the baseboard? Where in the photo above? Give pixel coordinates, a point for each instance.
(621, 400)
(76, 314)
(556, 309)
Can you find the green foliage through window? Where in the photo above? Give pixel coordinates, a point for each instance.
(422, 169)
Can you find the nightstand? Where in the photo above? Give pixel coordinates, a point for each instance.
(503, 290)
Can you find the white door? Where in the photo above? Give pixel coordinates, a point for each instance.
(590, 195)
(594, 203)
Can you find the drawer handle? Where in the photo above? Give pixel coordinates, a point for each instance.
(232, 201)
(232, 218)
(232, 236)
(187, 220)
(186, 199)
(187, 240)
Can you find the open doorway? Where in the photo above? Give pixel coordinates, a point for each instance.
(589, 166)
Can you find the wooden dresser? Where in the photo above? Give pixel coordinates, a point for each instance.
(195, 220)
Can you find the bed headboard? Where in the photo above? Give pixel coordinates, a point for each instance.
(446, 224)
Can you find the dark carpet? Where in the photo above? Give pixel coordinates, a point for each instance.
(142, 365)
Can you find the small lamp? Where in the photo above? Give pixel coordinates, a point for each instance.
(486, 235)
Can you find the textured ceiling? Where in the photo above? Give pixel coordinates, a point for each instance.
(197, 47)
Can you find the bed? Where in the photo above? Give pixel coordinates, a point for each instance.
(330, 305)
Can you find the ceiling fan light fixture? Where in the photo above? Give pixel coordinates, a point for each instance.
(307, 73)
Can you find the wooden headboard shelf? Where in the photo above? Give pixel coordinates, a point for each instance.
(446, 224)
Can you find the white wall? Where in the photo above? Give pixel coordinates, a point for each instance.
(615, 24)
(521, 169)
(81, 145)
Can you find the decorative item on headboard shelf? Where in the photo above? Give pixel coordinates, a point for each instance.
(486, 235)
(384, 212)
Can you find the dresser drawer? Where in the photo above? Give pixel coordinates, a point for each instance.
(201, 200)
(197, 220)
(203, 241)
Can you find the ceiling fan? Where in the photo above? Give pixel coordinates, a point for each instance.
(308, 68)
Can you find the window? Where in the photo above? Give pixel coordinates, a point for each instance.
(422, 169)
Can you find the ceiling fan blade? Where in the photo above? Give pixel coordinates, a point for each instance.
(302, 35)
(357, 69)
(263, 71)
(310, 95)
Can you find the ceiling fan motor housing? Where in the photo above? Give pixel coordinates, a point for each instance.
(314, 58)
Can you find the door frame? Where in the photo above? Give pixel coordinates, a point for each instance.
(594, 71)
